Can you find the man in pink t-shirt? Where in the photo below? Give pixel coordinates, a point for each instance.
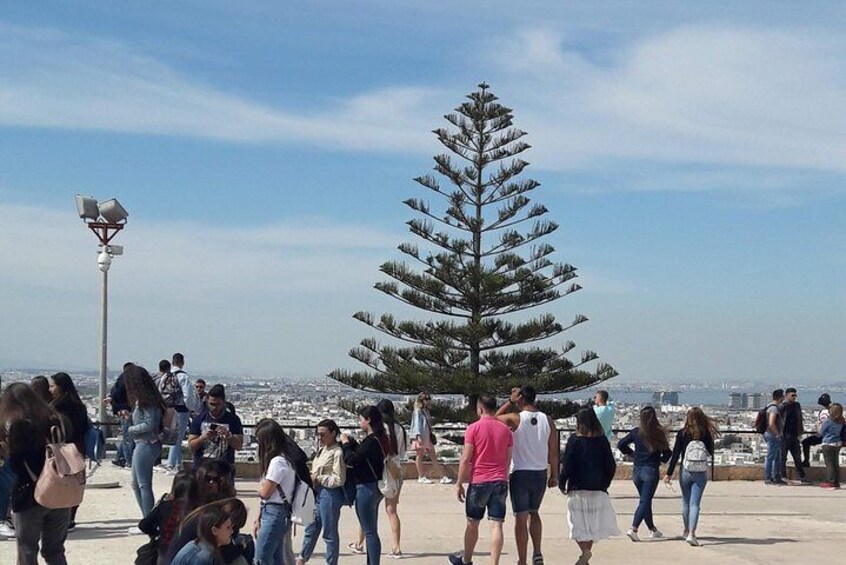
(486, 458)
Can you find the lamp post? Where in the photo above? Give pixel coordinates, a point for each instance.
(105, 220)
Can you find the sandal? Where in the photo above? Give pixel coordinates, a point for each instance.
(354, 547)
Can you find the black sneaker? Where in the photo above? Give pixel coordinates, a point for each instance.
(806, 464)
(457, 560)
(118, 462)
(71, 526)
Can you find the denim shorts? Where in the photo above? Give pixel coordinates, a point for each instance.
(527, 490)
(490, 496)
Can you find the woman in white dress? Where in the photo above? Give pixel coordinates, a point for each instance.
(586, 471)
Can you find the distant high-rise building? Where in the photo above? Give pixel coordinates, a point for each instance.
(738, 400)
(756, 400)
(665, 398)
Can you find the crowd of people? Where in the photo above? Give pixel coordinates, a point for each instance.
(782, 424)
(511, 451)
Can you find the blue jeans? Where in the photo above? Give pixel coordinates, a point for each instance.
(275, 522)
(646, 481)
(329, 502)
(174, 457)
(367, 499)
(127, 445)
(772, 464)
(7, 481)
(486, 496)
(146, 455)
(692, 487)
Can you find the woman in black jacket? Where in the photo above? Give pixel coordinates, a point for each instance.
(586, 471)
(162, 523)
(651, 448)
(25, 421)
(66, 403)
(367, 460)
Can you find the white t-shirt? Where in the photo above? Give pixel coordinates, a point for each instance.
(280, 472)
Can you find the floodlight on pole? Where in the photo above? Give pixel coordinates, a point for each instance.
(105, 219)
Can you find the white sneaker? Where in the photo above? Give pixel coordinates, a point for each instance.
(632, 535)
(655, 534)
(424, 481)
(161, 468)
(6, 529)
(134, 531)
(691, 539)
(446, 481)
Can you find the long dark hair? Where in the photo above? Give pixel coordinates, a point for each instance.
(377, 426)
(184, 495)
(587, 424)
(225, 487)
(273, 442)
(41, 386)
(141, 389)
(20, 399)
(67, 391)
(651, 432)
(185, 490)
(697, 425)
(386, 407)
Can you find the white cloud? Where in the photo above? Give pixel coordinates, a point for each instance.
(61, 81)
(720, 96)
(726, 96)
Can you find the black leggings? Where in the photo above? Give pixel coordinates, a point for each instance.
(806, 446)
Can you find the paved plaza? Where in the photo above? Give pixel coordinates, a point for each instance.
(742, 522)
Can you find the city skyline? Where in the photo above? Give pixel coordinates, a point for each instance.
(692, 154)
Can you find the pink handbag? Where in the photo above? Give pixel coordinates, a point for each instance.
(61, 483)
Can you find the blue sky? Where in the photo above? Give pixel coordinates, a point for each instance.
(692, 153)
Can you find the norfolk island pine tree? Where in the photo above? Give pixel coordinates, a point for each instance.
(484, 264)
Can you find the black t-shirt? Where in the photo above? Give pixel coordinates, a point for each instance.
(215, 448)
(792, 418)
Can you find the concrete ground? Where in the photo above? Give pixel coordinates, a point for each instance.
(742, 522)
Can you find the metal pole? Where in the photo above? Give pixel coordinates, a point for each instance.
(104, 345)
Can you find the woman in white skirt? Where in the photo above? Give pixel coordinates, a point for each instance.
(586, 471)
